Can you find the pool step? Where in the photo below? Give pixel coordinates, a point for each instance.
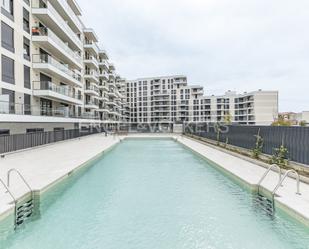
(265, 204)
(24, 211)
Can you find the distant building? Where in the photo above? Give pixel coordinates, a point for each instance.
(169, 100)
(295, 118)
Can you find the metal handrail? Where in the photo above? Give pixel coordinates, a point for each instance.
(267, 172)
(20, 175)
(283, 178)
(8, 191)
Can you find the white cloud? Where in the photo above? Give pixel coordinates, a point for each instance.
(241, 45)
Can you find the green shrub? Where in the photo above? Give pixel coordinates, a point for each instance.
(280, 156)
(259, 144)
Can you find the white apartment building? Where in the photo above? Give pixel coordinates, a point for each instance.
(54, 75)
(169, 100)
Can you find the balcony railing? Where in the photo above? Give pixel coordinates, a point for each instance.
(91, 102)
(47, 59)
(40, 4)
(43, 31)
(63, 90)
(70, 12)
(89, 72)
(36, 110)
(93, 44)
(92, 88)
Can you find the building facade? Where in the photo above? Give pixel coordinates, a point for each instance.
(170, 100)
(54, 75)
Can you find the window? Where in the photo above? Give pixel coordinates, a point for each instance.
(27, 83)
(26, 20)
(26, 49)
(7, 8)
(11, 104)
(34, 130)
(4, 132)
(8, 74)
(27, 104)
(7, 37)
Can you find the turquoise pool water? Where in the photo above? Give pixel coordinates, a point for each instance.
(155, 194)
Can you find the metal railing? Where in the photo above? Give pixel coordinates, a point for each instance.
(10, 143)
(284, 177)
(92, 88)
(267, 172)
(72, 15)
(92, 102)
(47, 59)
(89, 72)
(63, 90)
(25, 109)
(43, 31)
(40, 4)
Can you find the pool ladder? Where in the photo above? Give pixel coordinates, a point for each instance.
(24, 209)
(269, 204)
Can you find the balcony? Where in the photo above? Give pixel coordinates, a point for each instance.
(90, 104)
(63, 7)
(48, 40)
(103, 54)
(104, 98)
(112, 94)
(51, 66)
(112, 67)
(103, 63)
(91, 61)
(103, 75)
(92, 90)
(49, 90)
(91, 75)
(91, 46)
(16, 112)
(103, 86)
(52, 19)
(111, 76)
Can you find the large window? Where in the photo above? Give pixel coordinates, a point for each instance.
(7, 37)
(27, 104)
(7, 8)
(11, 104)
(26, 49)
(26, 20)
(8, 70)
(27, 83)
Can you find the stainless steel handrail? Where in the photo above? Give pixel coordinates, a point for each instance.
(8, 190)
(283, 178)
(20, 175)
(267, 172)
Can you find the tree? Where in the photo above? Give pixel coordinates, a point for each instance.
(281, 122)
(303, 123)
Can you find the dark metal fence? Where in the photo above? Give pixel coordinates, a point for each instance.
(9, 143)
(295, 139)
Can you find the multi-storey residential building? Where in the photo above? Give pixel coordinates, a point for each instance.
(169, 100)
(53, 73)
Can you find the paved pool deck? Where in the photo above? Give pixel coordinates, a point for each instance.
(45, 165)
(251, 173)
(42, 166)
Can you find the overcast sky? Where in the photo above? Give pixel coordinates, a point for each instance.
(240, 45)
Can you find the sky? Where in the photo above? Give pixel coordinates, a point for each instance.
(240, 45)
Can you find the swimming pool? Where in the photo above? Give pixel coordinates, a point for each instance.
(155, 194)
